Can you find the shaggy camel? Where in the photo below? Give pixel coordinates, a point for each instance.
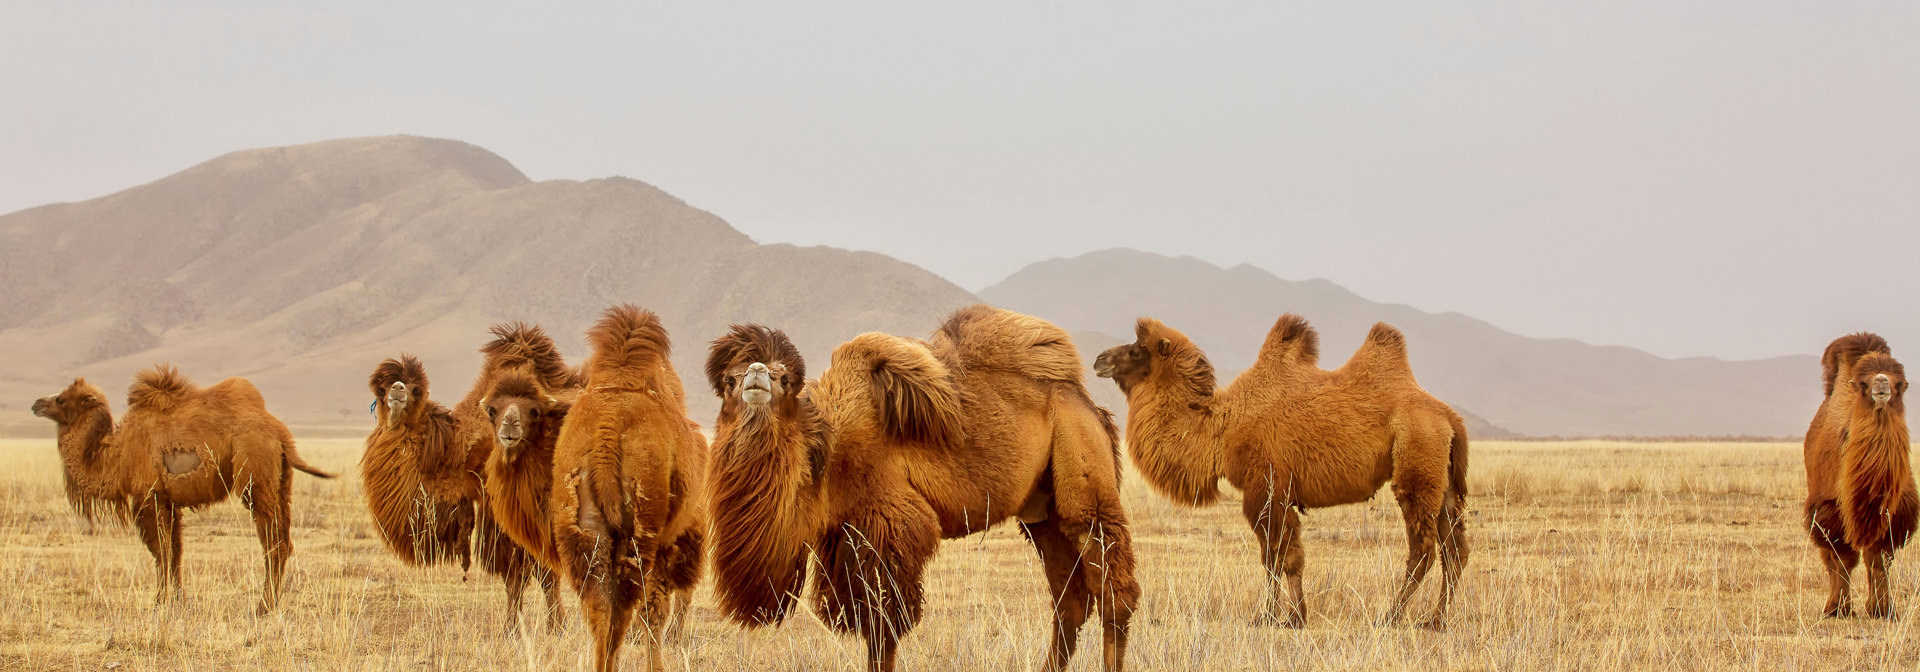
(1292, 436)
(904, 443)
(526, 420)
(180, 446)
(424, 466)
(629, 470)
(1861, 498)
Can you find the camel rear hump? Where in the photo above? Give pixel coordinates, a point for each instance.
(1384, 353)
(159, 387)
(988, 338)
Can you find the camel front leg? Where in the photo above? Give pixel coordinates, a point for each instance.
(1879, 588)
(159, 528)
(515, 583)
(556, 611)
(1282, 557)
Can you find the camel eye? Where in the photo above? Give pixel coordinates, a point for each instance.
(533, 414)
(490, 414)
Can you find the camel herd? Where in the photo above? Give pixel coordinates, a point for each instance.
(596, 475)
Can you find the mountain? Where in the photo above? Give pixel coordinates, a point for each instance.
(302, 267)
(1541, 387)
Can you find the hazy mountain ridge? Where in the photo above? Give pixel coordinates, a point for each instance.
(301, 267)
(1530, 386)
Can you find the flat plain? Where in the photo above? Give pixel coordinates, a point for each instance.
(1586, 556)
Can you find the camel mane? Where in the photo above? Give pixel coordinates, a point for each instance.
(1842, 352)
(157, 387)
(91, 426)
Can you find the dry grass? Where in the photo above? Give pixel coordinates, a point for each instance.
(1586, 556)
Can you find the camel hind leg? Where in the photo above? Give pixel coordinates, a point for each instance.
(1070, 599)
(272, 520)
(1419, 484)
(1879, 587)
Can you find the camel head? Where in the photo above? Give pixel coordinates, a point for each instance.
(1157, 349)
(754, 369)
(70, 405)
(1881, 380)
(521, 412)
(399, 388)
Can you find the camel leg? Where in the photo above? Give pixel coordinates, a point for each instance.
(1879, 589)
(272, 520)
(1062, 561)
(556, 612)
(654, 607)
(160, 530)
(1453, 556)
(1420, 507)
(515, 582)
(1277, 527)
(681, 603)
(608, 611)
(871, 573)
(1107, 571)
(1824, 525)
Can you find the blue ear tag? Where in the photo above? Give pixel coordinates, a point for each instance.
(370, 406)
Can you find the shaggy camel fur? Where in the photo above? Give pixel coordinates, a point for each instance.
(180, 446)
(629, 471)
(902, 444)
(1292, 436)
(1861, 499)
(424, 467)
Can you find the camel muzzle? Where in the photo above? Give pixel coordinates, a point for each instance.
(1882, 389)
(40, 407)
(757, 387)
(512, 431)
(1103, 365)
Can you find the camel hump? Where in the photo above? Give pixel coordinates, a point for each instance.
(912, 391)
(628, 336)
(1844, 351)
(1292, 335)
(984, 337)
(1384, 353)
(519, 344)
(158, 387)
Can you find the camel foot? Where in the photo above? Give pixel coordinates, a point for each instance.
(1290, 621)
(1435, 624)
(1837, 612)
(1883, 612)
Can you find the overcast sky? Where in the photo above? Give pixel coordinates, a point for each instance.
(1736, 179)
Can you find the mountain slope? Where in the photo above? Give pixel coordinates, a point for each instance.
(1530, 386)
(301, 267)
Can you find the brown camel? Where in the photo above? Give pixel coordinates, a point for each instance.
(424, 467)
(180, 446)
(1292, 436)
(629, 471)
(901, 444)
(1861, 499)
(526, 419)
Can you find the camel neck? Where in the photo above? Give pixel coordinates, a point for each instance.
(86, 450)
(1175, 439)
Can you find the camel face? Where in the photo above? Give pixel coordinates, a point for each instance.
(509, 427)
(70, 403)
(398, 396)
(1880, 379)
(1127, 365)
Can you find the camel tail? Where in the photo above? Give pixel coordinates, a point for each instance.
(1844, 351)
(294, 460)
(1457, 458)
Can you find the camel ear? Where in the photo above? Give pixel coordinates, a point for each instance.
(1165, 347)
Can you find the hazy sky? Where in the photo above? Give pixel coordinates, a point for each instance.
(1738, 179)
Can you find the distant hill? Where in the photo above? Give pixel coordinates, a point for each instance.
(301, 267)
(1531, 386)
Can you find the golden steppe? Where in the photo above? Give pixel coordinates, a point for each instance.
(1586, 555)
